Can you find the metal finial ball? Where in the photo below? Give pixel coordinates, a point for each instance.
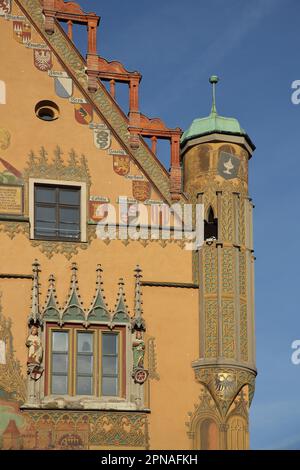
(213, 79)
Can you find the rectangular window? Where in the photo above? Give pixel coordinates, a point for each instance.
(84, 370)
(60, 362)
(110, 379)
(56, 212)
(85, 362)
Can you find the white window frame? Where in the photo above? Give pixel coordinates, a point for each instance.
(83, 204)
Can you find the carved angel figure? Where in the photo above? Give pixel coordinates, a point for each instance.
(35, 348)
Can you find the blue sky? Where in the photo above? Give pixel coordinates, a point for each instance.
(253, 47)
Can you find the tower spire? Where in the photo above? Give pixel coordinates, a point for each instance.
(213, 79)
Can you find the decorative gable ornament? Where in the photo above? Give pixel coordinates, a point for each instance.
(35, 317)
(51, 309)
(98, 311)
(121, 314)
(73, 310)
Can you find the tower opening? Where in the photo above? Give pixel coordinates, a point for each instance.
(210, 225)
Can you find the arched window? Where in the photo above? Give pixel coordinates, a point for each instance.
(210, 225)
(209, 435)
(2, 92)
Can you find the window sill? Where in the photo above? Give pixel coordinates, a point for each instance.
(83, 404)
(58, 240)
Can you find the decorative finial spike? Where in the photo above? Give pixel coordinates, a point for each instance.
(35, 316)
(213, 79)
(99, 268)
(137, 321)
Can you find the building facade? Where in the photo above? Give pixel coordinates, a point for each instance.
(116, 331)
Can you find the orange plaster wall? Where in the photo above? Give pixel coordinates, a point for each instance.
(171, 314)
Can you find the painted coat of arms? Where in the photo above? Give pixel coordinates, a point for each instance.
(102, 138)
(5, 7)
(141, 190)
(228, 165)
(83, 113)
(98, 210)
(121, 164)
(63, 87)
(22, 31)
(225, 385)
(42, 59)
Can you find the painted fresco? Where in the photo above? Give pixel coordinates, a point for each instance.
(60, 430)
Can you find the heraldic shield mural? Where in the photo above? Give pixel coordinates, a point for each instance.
(5, 7)
(228, 165)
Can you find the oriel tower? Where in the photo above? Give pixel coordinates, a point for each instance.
(215, 154)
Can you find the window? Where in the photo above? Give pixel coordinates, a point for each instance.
(47, 110)
(109, 364)
(85, 362)
(85, 356)
(56, 212)
(211, 226)
(60, 362)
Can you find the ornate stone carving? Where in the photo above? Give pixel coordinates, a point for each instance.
(14, 228)
(209, 185)
(35, 348)
(210, 269)
(101, 429)
(242, 273)
(243, 332)
(206, 408)
(138, 347)
(227, 217)
(73, 309)
(241, 221)
(98, 310)
(152, 359)
(138, 326)
(211, 328)
(224, 383)
(121, 313)
(227, 270)
(228, 329)
(74, 169)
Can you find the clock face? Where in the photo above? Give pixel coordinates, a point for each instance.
(228, 165)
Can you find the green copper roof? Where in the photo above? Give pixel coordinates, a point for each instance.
(213, 122)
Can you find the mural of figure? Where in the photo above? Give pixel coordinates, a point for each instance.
(35, 348)
(138, 347)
